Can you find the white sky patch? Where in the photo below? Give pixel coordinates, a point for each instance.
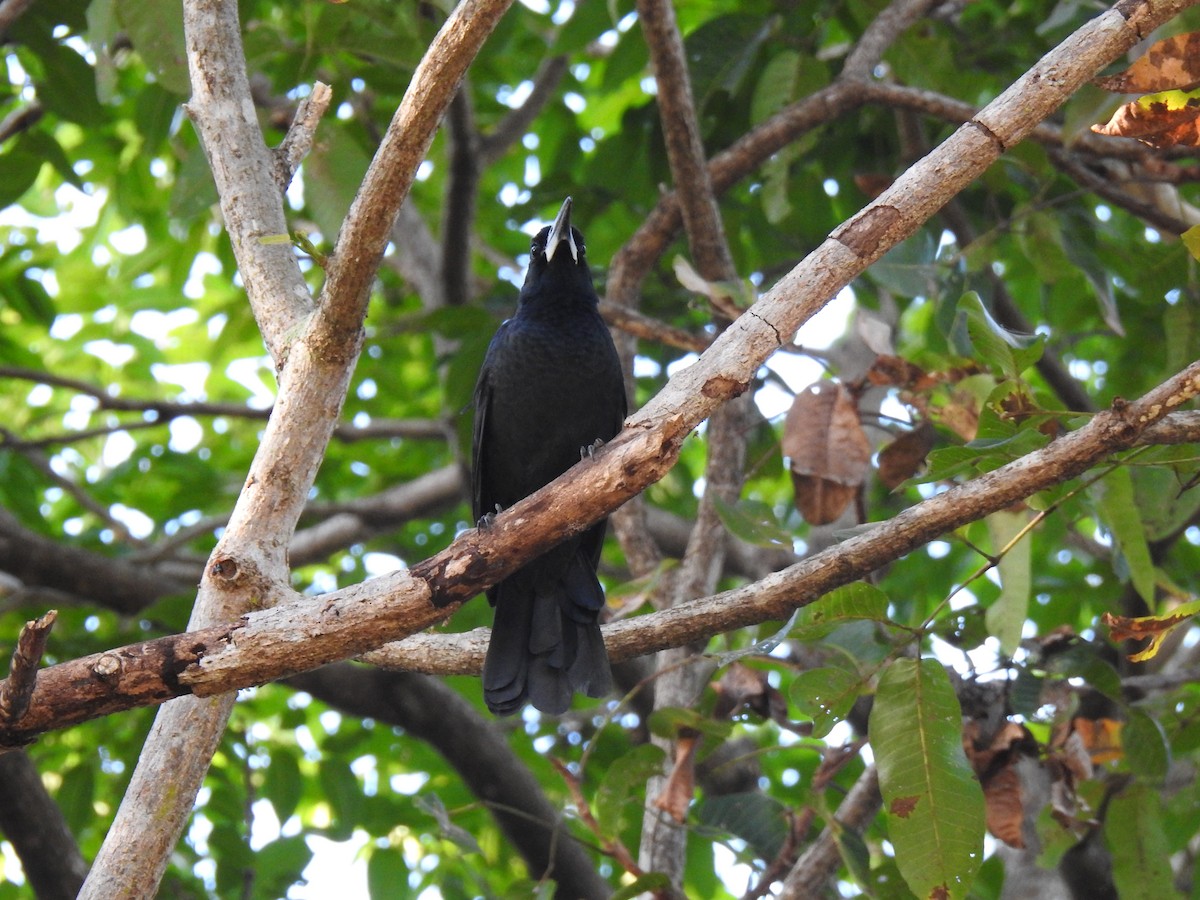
(139, 524)
(338, 869)
(116, 355)
(381, 564)
(189, 376)
(186, 434)
(264, 824)
(78, 211)
(39, 395)
(248, 373)
(204, 264)
(565, 10)
(157, 326)
(514, 97)
(736, 876)
(118, 447)
(128, 241)
(66, 326)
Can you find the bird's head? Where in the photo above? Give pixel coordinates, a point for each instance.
(558, 241)
(558, 269)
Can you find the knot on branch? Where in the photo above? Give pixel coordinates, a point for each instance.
(722, 387)
(107, 668)
(242, 576)
(869, 230)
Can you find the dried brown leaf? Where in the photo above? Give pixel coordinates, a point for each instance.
(960, 413)
(742, 686)
(1076, 758)
(677, 793)
(1005, 806)
(819, 500)
(1127, 628)
(1101, 738)
(829, 451)
(905, 456)
(823, 436)
(895, 371)
(1156, 123)
(1170, 64)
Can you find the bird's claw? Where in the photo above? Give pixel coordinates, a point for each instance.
(486, 520)
(590, 450)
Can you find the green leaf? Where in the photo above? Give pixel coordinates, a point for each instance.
(849, 603)
(1146, 746)
(1191, 240)
(1082, 659)
(343, 793)
(1005, 352)
(1006, 616)
(720, 53)
(332, 172)
(1134, 833)
(75, 796)
(432, 804)
(282, 783)
(777, 86)
(1117, 508)
(757, 819)
(156, 31)
(387, 874)
(827, 695)
(279, 865)
(69, 88)
(670, 721)
(909, 269)
(194, 191)
(934, 805)
(618, 799)
(752, 521)
(21, 167)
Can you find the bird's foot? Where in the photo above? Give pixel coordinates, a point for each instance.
(486, 520)
(590, 450)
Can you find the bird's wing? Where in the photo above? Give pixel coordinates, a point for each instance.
(480, 492)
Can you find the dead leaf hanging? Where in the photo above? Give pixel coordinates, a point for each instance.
(1168, 115)
(1170, 64)
(829, 451)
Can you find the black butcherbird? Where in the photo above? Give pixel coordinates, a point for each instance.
(549, 389)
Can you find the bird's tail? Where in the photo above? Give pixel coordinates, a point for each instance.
(546, 642)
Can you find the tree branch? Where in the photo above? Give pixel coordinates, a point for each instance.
(820, 862)
(314, 355)
(512, 127)
(459, 205)
(401, 602)
(16, 690)
(664, 840)
(428, 710)
(365, 232)
(34, 824)
(270, 644)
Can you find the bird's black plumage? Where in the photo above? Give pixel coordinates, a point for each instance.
(550, 386)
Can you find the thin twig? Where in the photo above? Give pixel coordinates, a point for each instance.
(17, 690)
(300, 135)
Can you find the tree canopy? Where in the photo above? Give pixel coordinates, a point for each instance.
(899, 607)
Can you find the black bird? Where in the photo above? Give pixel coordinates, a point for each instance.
(550, 388)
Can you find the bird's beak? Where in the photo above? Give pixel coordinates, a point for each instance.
(560, 233)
